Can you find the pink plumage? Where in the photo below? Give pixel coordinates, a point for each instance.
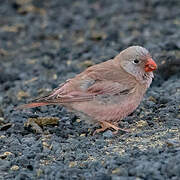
(106, 92)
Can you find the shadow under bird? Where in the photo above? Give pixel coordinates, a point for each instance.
(107, 92)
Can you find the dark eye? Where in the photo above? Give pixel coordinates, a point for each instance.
(136, 61)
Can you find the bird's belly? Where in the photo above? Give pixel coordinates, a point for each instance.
(110, 109)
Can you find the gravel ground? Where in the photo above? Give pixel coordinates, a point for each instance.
(43, 43)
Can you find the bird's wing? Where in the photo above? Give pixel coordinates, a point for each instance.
(79, 95)
(86, 86)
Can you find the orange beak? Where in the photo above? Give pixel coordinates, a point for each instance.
(150, 65)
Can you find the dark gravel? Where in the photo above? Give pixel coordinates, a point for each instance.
(43, 43)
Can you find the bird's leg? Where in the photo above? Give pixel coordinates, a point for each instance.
(109, 125)
(106, 125)
(103, 128)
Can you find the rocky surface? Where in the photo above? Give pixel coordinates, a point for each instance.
(43, 43)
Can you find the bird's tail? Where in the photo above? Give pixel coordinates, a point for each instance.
(32, 105)
(40, 101)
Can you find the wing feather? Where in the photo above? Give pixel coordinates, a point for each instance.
(100, 79)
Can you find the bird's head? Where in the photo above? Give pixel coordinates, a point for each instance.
(137, 61)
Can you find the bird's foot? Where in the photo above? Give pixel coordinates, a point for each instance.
(106, 125)
(103, 128)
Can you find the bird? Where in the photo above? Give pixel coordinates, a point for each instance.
(107, 92)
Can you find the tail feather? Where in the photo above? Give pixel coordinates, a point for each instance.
(32, 105)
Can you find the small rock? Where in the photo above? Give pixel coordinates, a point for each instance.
(37, 123)
(1, 120)
(42, 121)
(82, 135)
(14, 168)
(5, 155)
(151, 98)
(172, 143)
(108, 134)
(5, 126)
(141, 123)
(22, 94)
(72, 164)
(86, 63)
(95, 35)
(120, 171)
